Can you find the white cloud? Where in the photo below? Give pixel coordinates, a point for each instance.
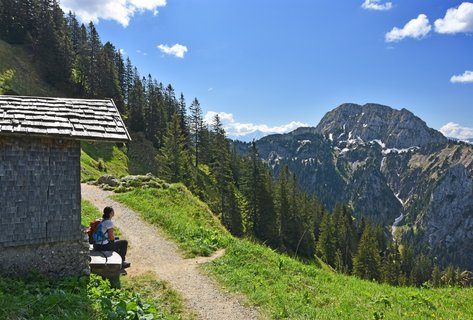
(119, 10)
(235, 129)
(416, 28)
(177, 50)
(454, 130)
(466, 77)
(456, 20)
(376, 5)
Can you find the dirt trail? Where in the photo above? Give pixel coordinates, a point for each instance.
(151, 251)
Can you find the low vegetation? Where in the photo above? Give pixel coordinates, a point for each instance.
(27, 80)
(36, 297)
(98, 159)
(182, 216)
(284, 287)
(158, 293)
(287, 288)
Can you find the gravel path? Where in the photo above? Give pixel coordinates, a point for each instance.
(151, 251)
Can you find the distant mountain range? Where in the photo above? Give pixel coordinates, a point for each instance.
(391, 167)
(469, 140)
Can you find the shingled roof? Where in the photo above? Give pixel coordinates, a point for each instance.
(79, 119)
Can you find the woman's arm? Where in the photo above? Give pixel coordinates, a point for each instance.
(111, 236)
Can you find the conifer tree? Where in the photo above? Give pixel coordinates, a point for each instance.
(305, 227)
(80, 68)
(267, 226)
(182, 112)
(345, 234)
(391, 270)
(251, 181)
(407, 259)
(422, 270)
(136, 102)
(436, 278)
(220, 165)
(326, 243)
(284, 209)
(93, 72)
(367, 261)
(196, 126)
(172, 157)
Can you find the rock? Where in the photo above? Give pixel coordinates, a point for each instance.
(395, 128)
(108, 180)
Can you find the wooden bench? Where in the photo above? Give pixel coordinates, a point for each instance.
(107, 264)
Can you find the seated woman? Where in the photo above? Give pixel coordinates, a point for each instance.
(110, 242)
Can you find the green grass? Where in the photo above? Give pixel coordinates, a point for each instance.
(283, 287)
(98, 159)
(89, 213)
(36, 297)
(288, 289)
(159, 293)
(27, 80)
(182, 216)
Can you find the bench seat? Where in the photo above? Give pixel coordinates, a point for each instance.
(105, 263)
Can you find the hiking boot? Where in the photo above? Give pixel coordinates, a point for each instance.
(125, 265)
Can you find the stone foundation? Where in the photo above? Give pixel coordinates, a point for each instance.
(55, 260)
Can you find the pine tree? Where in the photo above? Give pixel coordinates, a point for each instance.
(305, 227)
(251, 181)
(196, 124)
(448, 277)
(326, 243)
(407, 259)
(284, 208)
(345, 234)
(80, 68)
(221, 170)
(391, 269)
(93, 73)
(136, 102)
(421, 271)
(436, 278)
(129, 77)
(367, 261)
(173, 158)
(182, 112)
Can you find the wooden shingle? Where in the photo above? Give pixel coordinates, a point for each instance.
(78, 119)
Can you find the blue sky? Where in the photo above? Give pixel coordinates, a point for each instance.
(272, 65)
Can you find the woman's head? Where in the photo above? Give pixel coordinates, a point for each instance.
(107, 213)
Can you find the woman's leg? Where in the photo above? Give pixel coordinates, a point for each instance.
(120, 247)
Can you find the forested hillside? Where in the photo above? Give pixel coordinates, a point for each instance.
(176, 144)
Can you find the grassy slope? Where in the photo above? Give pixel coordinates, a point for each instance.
(27, 80)
(282, 286)
(100, 158)
(184, 217)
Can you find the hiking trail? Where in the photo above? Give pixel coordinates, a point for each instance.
(149, 250)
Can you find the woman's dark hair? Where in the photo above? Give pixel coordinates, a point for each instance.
(106, 212)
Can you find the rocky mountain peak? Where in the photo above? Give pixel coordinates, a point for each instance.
(399, 129)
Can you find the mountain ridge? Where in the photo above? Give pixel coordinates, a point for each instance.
(399, 170)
